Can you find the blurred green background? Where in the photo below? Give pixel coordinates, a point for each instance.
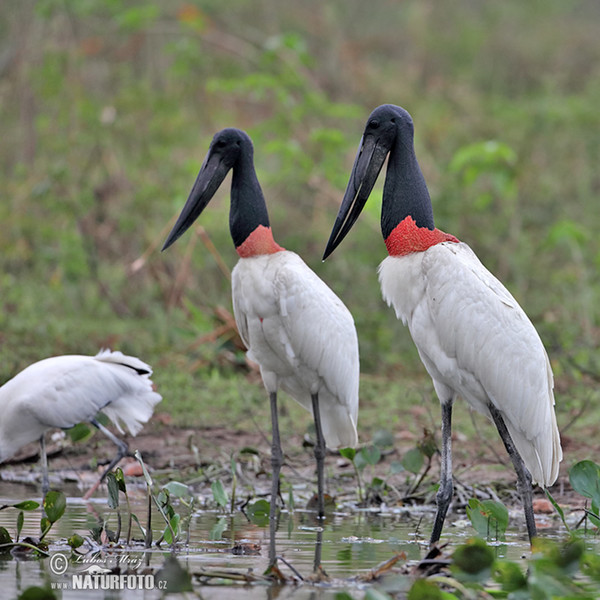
(107, 108)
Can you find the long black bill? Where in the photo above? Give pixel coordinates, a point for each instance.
(211, 175)
(367, 166)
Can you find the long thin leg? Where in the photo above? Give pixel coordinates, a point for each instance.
(320, 450)
(122, 451)
(444, 494)
(524, 486)
(318, 549)
(276, 462)
(44, 460)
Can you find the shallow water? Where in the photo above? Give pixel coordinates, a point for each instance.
(352, 544)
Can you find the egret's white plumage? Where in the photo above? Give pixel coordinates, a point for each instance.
(302, 336)
(476, 342)
(61, 391)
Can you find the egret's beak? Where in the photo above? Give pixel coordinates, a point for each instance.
(367, 166)
(211, 175)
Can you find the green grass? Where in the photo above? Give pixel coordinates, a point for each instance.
(107, 113)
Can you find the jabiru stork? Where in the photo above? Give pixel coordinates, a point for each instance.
(293, 325)
(474, 339)
(62, 391)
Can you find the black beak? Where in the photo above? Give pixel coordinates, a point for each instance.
(211, 175)
(367, 166)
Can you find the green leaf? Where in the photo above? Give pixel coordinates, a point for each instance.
(178, 490)
(35, 592)
(5, 536)
(217, 530)
(80, 433)
(371, 455)
(412, 461)
(259, 512)
(113, 490)
(27, 505)
(473, 561)
(219, 493)
(348, 453)
(422, 589)
(509, 576)
(120, 477)
(75, 541)
(147, 477)
(142, 529)
(585, 479)
(383, 438)
(174, 525)
(20, 521)
(54, 505)
(489, 518)
(557, 508)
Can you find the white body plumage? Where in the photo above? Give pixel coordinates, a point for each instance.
(302, 336)
(476, 342)
(61, 391)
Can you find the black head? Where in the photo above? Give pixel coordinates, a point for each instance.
(387, 126)
(226, 148)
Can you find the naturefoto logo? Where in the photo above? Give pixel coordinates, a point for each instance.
(93, 574)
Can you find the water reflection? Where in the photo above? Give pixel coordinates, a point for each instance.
(344, 545)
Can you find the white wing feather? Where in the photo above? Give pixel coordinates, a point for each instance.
(477, 342)
(302, 336)
(65, 390)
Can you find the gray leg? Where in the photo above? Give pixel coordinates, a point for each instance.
(276, 462)
(320, 450)
(523, 476)
(444, 495)
(122, 447)
(122, 450)
(44, 460)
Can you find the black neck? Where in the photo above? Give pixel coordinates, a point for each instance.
(405, 191)
(248, 209)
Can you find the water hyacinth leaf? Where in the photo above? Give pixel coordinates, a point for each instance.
(584, 477)
(25, 505)
(113, 491)
(75, 541)
(371, 455)
(178, 490)
(343, 596)
(557, 508)
(36, 592)
(5, 536)
(488, 517)
(147, 477)
(219, 493)
(473, 561)
(508, 574)
(348, 453)
(142, 529)
(55, 504)
(383, 438)
(422, 589)
(218, 529)
(412, 461)
(20, 521)
(259, 512)
(590, 566)
(172, 530)
(120, 477)
(80, 433)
